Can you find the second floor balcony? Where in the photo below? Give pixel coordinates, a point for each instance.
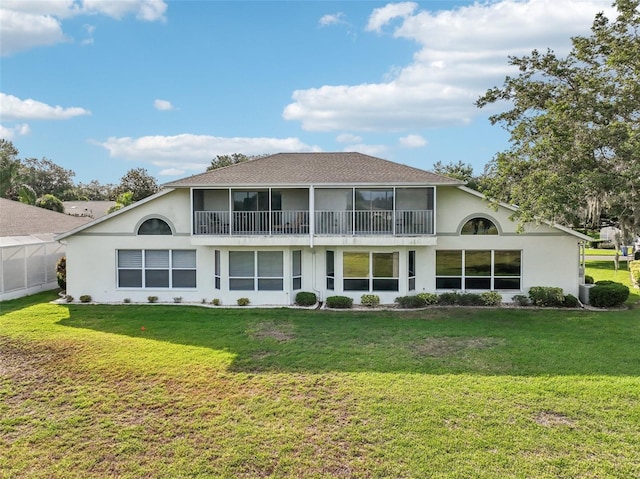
(301, 222)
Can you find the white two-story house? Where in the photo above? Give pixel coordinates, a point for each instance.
(330, 223)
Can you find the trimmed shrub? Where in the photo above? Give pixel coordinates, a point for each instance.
(68, 298)
(85, 298)
(126, 300)
(521, 300)
(410, 302)
(177, 299)
(243, 301)
(608, 294)
(588, 279)
(448, 299)
(428, 298)
(371, 300)
(491, 298)
(570, 301)
(339, 302)
(152, 299)
(546, 296)
(470, 299)
(216, 302)
(304, 298)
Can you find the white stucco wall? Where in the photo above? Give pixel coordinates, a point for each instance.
(549, 256)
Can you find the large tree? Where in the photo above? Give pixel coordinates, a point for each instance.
(46, 177)
(220, 161)
(9, 169)
(575, 128)
(139, 182)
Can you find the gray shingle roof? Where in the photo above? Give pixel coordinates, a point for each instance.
(19, 219)
(316, 169)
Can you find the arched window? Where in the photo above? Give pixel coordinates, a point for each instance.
(479, 226)
(154, 226)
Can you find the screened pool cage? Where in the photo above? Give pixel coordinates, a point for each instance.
(28, 264)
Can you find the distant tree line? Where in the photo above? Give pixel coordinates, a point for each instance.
(42, 182)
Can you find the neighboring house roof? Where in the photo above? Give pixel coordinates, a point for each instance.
(93, 209)
(315, 169)
(19, 219)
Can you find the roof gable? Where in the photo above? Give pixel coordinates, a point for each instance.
(315, 169)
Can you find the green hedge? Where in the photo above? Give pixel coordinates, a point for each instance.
(546, 296)
(608, 294)
(339, 302)
(305, 298)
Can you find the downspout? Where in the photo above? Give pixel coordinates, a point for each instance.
(312, 215)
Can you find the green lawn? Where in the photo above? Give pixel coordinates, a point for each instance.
(170, 391)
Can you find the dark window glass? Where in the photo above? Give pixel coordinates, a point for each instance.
(356, 285)
(449, 283)
(130, 278)
(156, 278)
(154, 226)
(506, 263)
(241, 284)
(270, 284)
(477, 283)
(479, 226)
(449, 263)
(385, 284)
(184, 278)
(477, 263)
(506, 283)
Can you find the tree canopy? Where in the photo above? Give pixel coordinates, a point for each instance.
(220, 161)
(139, 182)
(575, 128)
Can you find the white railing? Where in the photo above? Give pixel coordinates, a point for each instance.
(403, 222)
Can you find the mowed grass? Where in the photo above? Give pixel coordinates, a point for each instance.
(170, 391)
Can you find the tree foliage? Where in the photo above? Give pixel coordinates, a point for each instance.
(46, 177)
(575, 128)
(9, 169)
(139, 182)
(220, 161)
(460, 171)
(50, 202)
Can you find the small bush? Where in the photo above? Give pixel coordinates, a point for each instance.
(339, 302)
(305, 298)
(521, 300)
(216, 302)
(370, 300)
(152, 299)
(448, 299)
(428, 298)
(126, 300)
(634, 267)
(410, 302)
(470, 299)
(588, 279)
(491, 298)
(243, 301)
(546, 296)
(85, 298)
(68, 298)
(608, 294)
(177, 299)
(570, 301)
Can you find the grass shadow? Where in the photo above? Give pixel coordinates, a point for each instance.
(507, 341)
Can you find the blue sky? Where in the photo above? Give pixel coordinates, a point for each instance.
(103, 86)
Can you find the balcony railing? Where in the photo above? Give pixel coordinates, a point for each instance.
(404, 222)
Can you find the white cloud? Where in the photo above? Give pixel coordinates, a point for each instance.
(171, 172)
(35, 23)
(382, 16)
(348, 138)
(412, 141)
(332, 19)
(13, 108)
(9, 133)
(373, 150)
(194, 152)
(462, 52)
(163, 105)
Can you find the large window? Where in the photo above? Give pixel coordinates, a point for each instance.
(478, 269)
(367, 271)
(156, 269)
(331, 271)
(256, 270)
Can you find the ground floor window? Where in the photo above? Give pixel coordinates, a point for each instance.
(296, 269)
(216, 273)
(256, 270)
(369, 271)
(478, 269)
(156, 268)
(412, 270)
(330, 269)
